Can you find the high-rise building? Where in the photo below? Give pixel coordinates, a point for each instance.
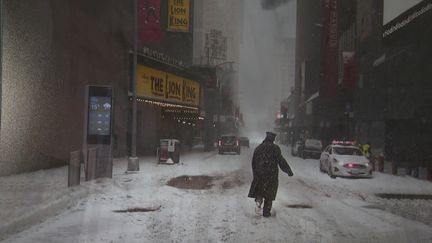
(217, 37)
(367, 101)
(287, 68)
(307, 61)
(400, 75)
(217, 31)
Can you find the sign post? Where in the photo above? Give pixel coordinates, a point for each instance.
(74, 171)
(133, 160)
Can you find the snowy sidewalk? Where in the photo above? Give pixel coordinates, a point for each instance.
(30, 198)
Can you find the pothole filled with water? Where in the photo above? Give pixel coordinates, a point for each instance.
(192, 182)
(404, 196)
(138, 210)
(305, 206)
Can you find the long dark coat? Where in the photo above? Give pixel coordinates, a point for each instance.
(265, 161)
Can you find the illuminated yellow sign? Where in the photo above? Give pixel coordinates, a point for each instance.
(150, 82)
(191, 92)
(178, 15)
(174, 88)
(155, 84)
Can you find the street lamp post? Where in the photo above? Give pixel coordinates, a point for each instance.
(133, 161)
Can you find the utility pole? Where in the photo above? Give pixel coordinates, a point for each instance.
(133, 160)
(1, 56)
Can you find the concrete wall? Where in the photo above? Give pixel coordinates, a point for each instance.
(52, 49)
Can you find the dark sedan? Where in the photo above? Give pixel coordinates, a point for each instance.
(228, 143)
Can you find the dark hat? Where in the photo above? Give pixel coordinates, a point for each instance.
(271, 136)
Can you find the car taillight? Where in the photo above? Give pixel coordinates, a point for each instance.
(237, 142)
(220, 143)
(356, 166)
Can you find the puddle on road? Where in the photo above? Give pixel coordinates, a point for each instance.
(301, 206)
(231, 184)
(404, 196)
(205, 182)
(138, 210)
(192, 182)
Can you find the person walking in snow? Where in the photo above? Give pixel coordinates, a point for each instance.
(366, 149)
(265, 161)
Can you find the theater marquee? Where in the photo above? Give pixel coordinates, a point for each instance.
(163, 86)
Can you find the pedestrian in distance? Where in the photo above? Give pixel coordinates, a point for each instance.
(366, 149)
(267, 157)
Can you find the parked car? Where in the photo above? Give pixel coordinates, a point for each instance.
(344, 159)
(297, 147)
(311, 148)
(228, 143)
(244, 141)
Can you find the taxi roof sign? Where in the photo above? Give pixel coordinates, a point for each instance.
(341, 142)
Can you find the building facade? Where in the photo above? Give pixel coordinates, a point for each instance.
(379, 93)
(327, 102)
(53, 49)
(165, 109)
(402, 75)
(307, 63)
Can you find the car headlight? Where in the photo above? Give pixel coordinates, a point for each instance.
(367, 165)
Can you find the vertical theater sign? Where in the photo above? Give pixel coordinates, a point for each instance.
(150, 31)
(178, 15)
(329, 57)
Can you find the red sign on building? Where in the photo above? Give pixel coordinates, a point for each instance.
(329, 58)
(149, 26)
(350, 70)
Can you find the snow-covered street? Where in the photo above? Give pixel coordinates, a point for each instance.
(310, 207)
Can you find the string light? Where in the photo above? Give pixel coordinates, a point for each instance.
(184, 118)
(186, 110)
(163, 104)
(193, 112)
